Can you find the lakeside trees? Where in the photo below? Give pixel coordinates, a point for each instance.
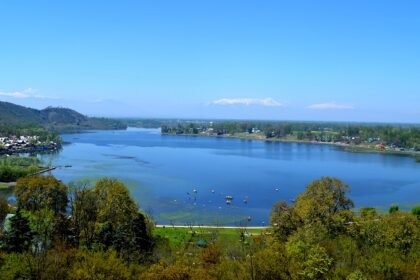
(13, 168)
(398, 136)
(98, 232)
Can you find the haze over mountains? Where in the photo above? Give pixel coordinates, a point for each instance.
(55, 118)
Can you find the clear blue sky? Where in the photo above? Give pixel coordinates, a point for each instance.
(295, 60)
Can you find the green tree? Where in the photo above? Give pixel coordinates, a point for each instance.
(401, 231)
(39, 192)
(84, 214)
(134, 239)
(322, 201)
(283, 220)
(98, 266)
(308, 261)
(393, 209)
(114, 202)
(368, 213)
(19, 237)
(41, 223)
(416, 211)
(14, 266)
(269, 263)
(4, 209)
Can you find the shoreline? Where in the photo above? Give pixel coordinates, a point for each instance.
(31, 150)
(345, 147)
(212, 227)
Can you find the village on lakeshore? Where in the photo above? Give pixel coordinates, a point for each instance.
(21, 144)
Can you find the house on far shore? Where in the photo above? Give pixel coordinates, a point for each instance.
(380, 146)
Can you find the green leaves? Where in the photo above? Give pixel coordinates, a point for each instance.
(308, 261)
(39, 192)
(19, 238)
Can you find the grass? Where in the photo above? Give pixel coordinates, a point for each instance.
(188, 214)
(183, 237)
(6, 185)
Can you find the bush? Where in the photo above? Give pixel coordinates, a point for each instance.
(416, 211)
(393, 209)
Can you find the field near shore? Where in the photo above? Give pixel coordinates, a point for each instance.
(183, 236)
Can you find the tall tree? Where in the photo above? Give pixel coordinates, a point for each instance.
(4, 209)
(19, 237)
(323, 202)
(84, 210)
(38, 192)
(115, 204)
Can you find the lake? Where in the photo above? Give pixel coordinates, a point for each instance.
(162, 172)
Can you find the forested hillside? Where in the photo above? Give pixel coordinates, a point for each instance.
(53, 118)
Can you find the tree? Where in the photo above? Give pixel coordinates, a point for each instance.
(4, 209)
(416, 211)
(321, 201)
(41, 223)
(368, 213)
(108, 216)
(38, 192)
(14, 266)
(134, 239)
(401, 231)
(163, 271)
(393, 209)
(19, 237)
(283, 220)
(119, 219)
(63, 231)
(105, 235)
(98, 265)
(269, 263)
(308, 261)
(114, 202)
(84, 210)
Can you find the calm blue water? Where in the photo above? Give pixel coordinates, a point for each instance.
(161, 170)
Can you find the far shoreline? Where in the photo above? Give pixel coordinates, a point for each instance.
(343, 146)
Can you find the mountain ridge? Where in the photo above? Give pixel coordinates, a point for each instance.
(54, 118)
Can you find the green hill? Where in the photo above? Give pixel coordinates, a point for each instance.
(53, 118)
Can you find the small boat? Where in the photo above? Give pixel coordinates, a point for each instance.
(228, 199)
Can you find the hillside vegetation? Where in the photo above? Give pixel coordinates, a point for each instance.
(53, 118)
(98, 232)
